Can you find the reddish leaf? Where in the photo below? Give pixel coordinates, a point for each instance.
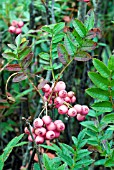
(83, 56)
(93, 33)
(62, 53)
(3, 107)
(13, 67)
(27, 60)
(88, 45)
(19, 77)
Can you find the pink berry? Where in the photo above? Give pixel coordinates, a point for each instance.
(38, 123)
(39, 140)
(72, 112)
(27, 131)
(12, 29)
(58, 101)
(57, 106)
(73, 99)
(18, 31)
(50, 135)
(57, 133)
(78, 108)
(46, 119)
(60, 85)
(40, 131)
(51, 126)
(46, 88)
(63, 109)
(30, 137)
(20, 24)
(60, 126)
(86, 0)
(57, 121)
(85, 110)
(14, 23)
(62, 93)
(80, 117)
(70, 94)
(67, 99)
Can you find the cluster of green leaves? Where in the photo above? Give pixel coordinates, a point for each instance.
(69, 157)
(100, 137)
(103, 89)
(8, 149)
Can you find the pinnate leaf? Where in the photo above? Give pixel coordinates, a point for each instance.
(108, 118)
(13, 67)
(62, 53)
(89, 20)
(88, 45)
(27, 60)
(82, 56)
(19, 77)
(104, 106)
(58, 27)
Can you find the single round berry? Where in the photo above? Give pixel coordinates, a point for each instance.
(85, 110)
(30, 137)
(27, 131)
(51, 126)
(60, 86)
(20, 24)
(60, 126)
(62, 93)
(46, 119)
(58, 101)
(57, 133)
(50, 135)
(38, 123)
(12, 29)
(78, 108)
(70, 94)
(40, 131)
(39, 140)
(57, 121)
(63, 109)
(67, 99)
(72, 112)
(46, 88)
(14, 23)
(18, 31)
(73, 99)
(80, 117)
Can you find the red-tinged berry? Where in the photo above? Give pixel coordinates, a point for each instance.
(78, 108)
(37, 123)
(58, 101)
(72, 112)
(73, 99)
(57, 133)
(46, 119)
(18, 31)
(40, 131)
(85, 110)
(70, 94)
(67, 99)
(27, 131)
(60, 126)
(57, 121)
(50, 135)
(80, 117)
(20, 24)
(12, 29)
(62, 93)
(39, 140)
(51, 126)
(30, 137)
(46, 88)
(86, 0)
(60, 86)
(63, 109)
(14, 23)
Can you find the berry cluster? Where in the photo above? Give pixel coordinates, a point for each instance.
(62, 100)
(15, 27)
(45, 128)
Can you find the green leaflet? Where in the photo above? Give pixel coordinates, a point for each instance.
(104, 106)
(89, 20)
(98, 93)
(99, 81)
(101, 68)
(108, 118)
